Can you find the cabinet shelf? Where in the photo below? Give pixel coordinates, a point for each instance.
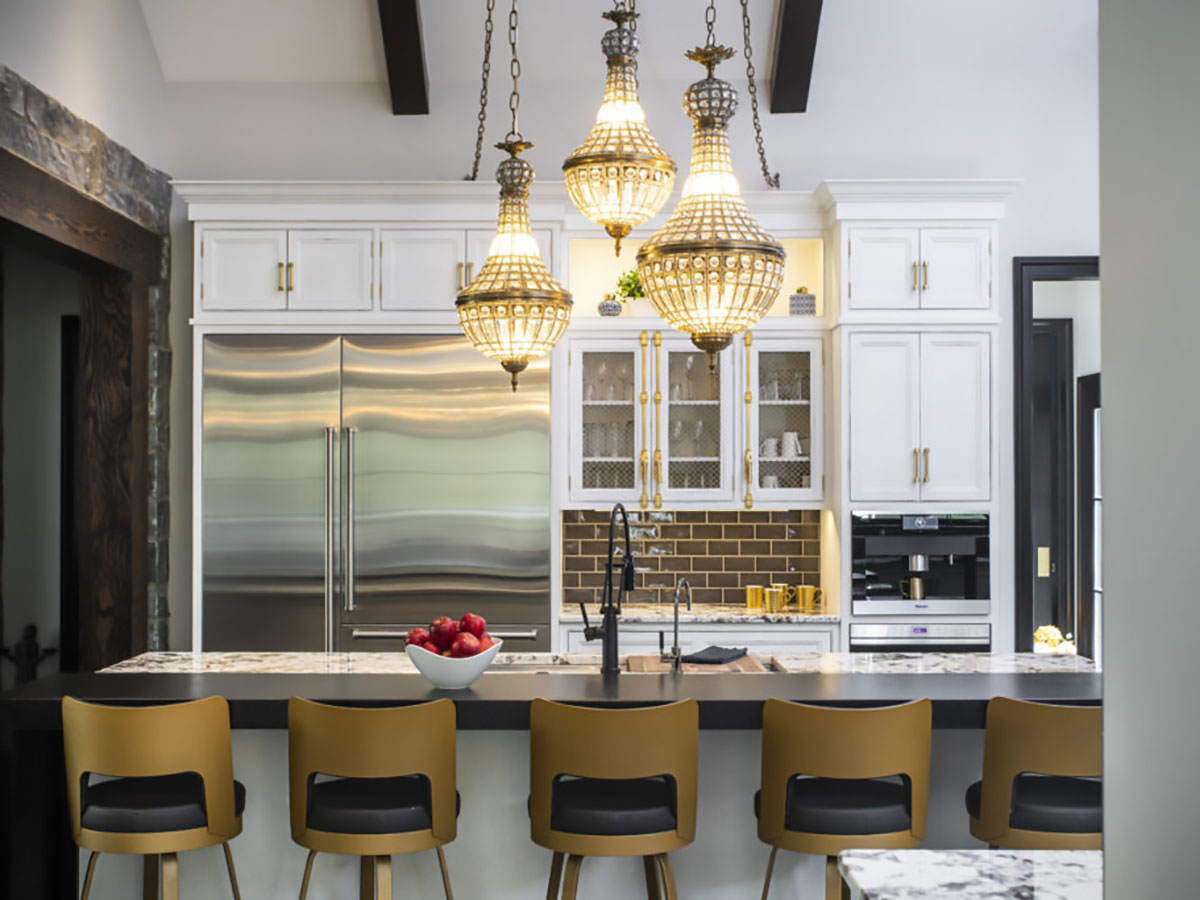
(785, 403)
(694, 402)
(608, 402)
(692, 459)
(608, 459)
(783, 459)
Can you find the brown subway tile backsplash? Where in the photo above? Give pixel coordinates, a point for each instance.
(718, 551)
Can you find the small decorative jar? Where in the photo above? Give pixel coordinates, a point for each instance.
(803, 303)
(610, 305)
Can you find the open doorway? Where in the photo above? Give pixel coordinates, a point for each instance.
(1057, 421)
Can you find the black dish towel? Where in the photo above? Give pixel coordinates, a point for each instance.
(715, 656)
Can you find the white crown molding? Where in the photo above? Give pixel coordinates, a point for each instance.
(914, 198)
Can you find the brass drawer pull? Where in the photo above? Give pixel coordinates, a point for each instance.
(281, 276)
(926, 479)
(925, 270)
(914, 287)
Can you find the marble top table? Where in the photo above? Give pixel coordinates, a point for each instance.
(974, 874)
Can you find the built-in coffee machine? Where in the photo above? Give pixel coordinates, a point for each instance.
(912, 564)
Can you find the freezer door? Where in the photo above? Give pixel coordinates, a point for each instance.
(271, 408)
(449, 503)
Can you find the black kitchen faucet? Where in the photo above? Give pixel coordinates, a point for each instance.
(610, 607)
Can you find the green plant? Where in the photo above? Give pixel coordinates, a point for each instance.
(629, 285)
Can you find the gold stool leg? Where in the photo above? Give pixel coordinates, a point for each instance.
(668, 876)
(91, 870)
(312, 854)
(770, 872)
(237, 895)
(170, 876)
(366, 878)
(571, 882)
(833, 879)
(149, 877)
(445, 874)
(556, 867)
(652, 889)
(383, 878)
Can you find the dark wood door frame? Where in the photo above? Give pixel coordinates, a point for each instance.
(1086, 403)
(1026, 271)
(119, 260)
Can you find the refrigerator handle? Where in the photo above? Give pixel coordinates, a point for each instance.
(329, 543)
(350, 432)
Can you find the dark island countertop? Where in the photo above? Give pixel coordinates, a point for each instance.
(500, 699)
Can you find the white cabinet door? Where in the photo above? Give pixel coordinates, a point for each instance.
(608, 441)
(698, 422)
(421, 269)
(955, 417)
(479, 240)
(885, 416)
(330, 269)
(783, 382)
(882, 268)
(242, 269)
(956, 268)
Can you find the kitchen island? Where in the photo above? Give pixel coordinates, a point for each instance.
(493, 856)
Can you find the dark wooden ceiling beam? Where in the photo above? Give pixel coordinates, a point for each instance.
(795, 48)
(400, 22)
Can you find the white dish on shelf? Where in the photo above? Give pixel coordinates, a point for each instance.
(449, 673)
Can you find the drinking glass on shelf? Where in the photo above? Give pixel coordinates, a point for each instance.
(676, 447)
(697, 447)
(676, 391)
(626, 392)
(688, 381)
(589, 391)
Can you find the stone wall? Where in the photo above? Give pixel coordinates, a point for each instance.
(39, 129)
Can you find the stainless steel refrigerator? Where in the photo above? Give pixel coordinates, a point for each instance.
(355, 486)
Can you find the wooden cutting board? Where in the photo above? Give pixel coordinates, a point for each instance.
(655, 664)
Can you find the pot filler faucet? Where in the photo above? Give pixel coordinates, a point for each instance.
(610, 607)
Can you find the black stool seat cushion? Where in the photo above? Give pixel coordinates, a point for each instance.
(371, 805)
(1050, 803)
(613, 806)
(159, 803)
(844, 806)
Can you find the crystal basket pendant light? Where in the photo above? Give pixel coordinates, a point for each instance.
(620, 176)
(513, 310)
(711, 271)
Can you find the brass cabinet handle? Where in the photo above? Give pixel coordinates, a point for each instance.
(914, 287)
(644, 500)
(926, 478)
(470, 272)
(291, 267)
(281, 276)
(749, 462)
(916, 465)
(925, 271)
(460, 276)
(657, 478)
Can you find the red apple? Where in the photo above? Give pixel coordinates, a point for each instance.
(418, 636)
(432, 647)
(473, 624)
(466, 644)
(486, 642)
(443, 629)
(445, 653)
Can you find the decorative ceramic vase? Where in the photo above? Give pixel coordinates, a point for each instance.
(640, 306)
(803, 303)
(610, 305)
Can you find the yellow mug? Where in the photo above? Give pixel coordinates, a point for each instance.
(775, 598)
(807, 597)
(754, 597)
(787, 593)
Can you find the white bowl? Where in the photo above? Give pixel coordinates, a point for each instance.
(450, 673)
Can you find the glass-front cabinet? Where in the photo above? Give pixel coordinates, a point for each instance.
(652, 426)
(782, 458)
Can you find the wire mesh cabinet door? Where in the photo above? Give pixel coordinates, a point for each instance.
(696, 439)
(784, 461)
(609, 430)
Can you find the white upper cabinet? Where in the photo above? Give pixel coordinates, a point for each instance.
(785, 431)
(955, 416)
(918, 268)
(885, 416)
(480, 239)
(422, 268)
(920, 416)
(956, 268)
(696, 461)
(331, 270)
(883, 266)
(243, 269)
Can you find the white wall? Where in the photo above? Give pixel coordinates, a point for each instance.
(37, 294)
(1149, 91)
(95, 57)
(1078, 301)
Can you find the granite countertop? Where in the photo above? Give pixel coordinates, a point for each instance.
(701, 613)
(396, 662)
(975, 874)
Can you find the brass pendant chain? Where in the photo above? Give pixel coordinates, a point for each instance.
(710, 20)
(514, 99)
(771, 180)
(483, 91)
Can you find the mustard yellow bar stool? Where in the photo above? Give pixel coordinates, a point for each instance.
(841, 779)
(170, 786)
(370, 783)
(1040, 787)
(613, 783)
